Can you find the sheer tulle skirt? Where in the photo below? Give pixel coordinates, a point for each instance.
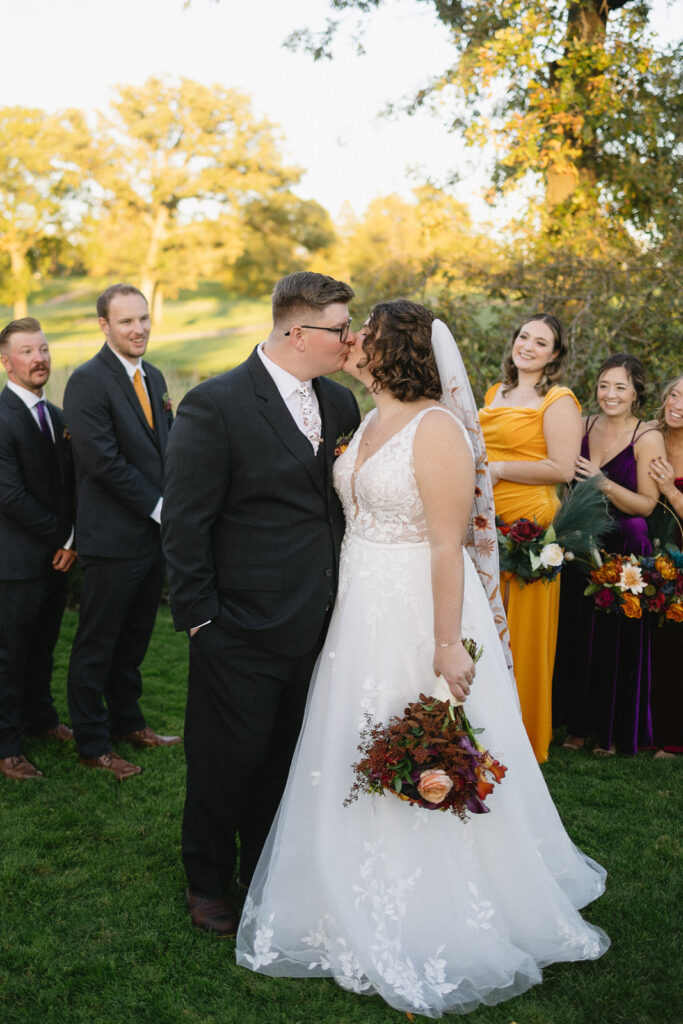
(434, 914)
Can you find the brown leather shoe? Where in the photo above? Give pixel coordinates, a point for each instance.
(213, 915)
(59, 732)
(111, 762)
(146, 738)
(18, 768)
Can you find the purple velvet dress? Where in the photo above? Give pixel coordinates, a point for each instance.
(603, 663)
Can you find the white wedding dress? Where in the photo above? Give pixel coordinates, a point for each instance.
(433, 914)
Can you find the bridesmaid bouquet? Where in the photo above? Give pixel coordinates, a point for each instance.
(430, 757)
(533, 552)
(633, 584)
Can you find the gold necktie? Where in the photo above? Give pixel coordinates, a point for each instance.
(143, 397)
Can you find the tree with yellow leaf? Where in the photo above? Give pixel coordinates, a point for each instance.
(179, 162)
(573, 93)
(42, 187)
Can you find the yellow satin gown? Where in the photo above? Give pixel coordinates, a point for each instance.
(516, 434)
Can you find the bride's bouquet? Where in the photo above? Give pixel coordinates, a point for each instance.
(430, 757)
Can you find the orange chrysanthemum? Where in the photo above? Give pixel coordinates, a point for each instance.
(607, 573)
(665, 567)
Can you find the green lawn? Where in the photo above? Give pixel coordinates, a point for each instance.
(93, 928)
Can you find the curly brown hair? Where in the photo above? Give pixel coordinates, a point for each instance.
(398, 347)
(552, 371)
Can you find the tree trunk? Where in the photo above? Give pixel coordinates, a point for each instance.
(19, 271)
(148, 276)
(158, 304)
(586, 22)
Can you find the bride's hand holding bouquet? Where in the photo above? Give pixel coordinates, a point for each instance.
(454, 664)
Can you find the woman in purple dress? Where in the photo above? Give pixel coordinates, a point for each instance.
(605, 677)
(665, 527)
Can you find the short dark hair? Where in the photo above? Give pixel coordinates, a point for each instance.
(399, 350)
(104, 300)
(552, 371)
(305, 290)
(635, 371)
(26, 325)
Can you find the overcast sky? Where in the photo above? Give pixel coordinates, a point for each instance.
(60, 53)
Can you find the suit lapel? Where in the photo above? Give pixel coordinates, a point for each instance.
(126, 385)
(28, 425)
(272, 407)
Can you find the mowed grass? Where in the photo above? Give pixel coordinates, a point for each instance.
(93, 928)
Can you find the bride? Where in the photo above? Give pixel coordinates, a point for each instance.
(434, 914)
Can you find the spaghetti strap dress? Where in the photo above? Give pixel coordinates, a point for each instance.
(603, 666)
(516, 433)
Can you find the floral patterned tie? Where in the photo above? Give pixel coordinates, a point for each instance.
(310, 415)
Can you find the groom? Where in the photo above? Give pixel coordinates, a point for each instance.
(251, 529)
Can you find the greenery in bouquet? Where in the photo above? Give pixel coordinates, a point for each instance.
(634, 584)
(430, 757)
(534, 552)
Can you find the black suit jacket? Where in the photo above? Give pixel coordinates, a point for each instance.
(251, 525)
(119, 459)
(36, 490)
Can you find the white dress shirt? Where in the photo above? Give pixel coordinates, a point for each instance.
(287, 385)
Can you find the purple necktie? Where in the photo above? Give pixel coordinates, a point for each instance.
(42, 417)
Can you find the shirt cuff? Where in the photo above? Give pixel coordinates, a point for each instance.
(202, 624)
(69, 543)
(155, 514)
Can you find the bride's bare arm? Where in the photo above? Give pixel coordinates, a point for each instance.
(444, 472)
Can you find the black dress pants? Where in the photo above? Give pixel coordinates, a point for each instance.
(30, 617)
(244, 713)
(119, 602)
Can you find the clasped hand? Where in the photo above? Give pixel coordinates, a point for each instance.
(662, 472)
(456, 667)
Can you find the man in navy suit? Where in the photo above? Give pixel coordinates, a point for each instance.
(252, 530)
(36, 533)
(118, 412)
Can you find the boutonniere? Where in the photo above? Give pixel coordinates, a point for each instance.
(167, 403)
(342, 443)
(66, 434)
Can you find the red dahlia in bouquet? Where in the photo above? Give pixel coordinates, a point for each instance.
(430, 757)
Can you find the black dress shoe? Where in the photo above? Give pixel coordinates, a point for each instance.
(213, 915)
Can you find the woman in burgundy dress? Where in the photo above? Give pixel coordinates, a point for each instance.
(602, 670)
(665, 527)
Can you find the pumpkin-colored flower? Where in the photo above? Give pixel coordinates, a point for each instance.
(631, 606)
(675, 612)
(665, 567)
(607, 573)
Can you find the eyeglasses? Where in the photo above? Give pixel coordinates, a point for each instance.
(342, 331)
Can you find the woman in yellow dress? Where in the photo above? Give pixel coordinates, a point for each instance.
(532, 429)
